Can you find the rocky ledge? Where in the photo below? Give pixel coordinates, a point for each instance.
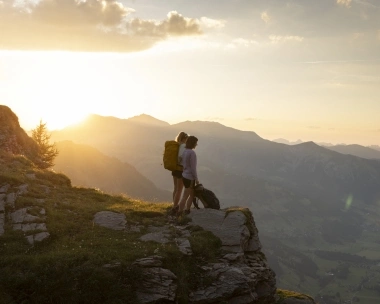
(239, 275)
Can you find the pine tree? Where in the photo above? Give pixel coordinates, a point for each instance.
(47, 152)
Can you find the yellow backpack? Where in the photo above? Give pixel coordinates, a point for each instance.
(170, 157)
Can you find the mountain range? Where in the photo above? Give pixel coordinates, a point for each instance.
(370, 152)
(307, 168)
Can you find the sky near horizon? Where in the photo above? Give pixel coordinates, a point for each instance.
(298, 69)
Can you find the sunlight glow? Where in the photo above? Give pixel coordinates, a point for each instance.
(66, 87)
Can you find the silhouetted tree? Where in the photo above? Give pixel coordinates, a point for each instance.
(47, 152)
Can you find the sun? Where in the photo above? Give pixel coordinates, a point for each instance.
(59, 120)
(63, 88)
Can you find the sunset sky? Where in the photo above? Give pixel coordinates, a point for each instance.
(300, 69)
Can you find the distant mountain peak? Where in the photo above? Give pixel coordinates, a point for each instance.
(147, 119)
(309, 144)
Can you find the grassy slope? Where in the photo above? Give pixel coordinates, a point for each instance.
(67, 267)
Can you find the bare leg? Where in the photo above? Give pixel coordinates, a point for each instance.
(182, 203)
(189, 201)
(178, 194)
(175, 187)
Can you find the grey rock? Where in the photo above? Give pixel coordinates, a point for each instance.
(11, 198)
(135, 228)
(111, 220)
(158, 237)
(40, 200)
(184, 246)
(2, 219)
(22, 189)
(39, 237)
(158, 285)
(152, 261)
(4, 189)
(21, 216)
(242, 276)
(231, 228)
(233, 257)
(230, 284)
(30, 239)
(2, 203)
(30, 227)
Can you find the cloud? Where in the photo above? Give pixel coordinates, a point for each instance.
(250, 119)
(346, 3)
(174, 25)
(281, 39)
(313, 127)
(91, 25)
(242, 42)
(212, 23)
(265, 17)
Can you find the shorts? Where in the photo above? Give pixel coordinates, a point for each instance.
(177, 174)
(188, 183)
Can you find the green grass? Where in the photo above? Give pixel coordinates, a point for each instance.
(285, 294)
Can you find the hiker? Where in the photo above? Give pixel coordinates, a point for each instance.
(189, 175)
(177, 174)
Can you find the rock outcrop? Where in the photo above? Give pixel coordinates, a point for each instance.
(13, 138)
(30, 220)
(239, 275)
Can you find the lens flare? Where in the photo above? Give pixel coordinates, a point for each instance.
(349, 201)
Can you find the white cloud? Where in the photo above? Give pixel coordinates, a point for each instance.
(212, 23)
(174, 25)
(265, 17)
(244, 42)
(280, 39)
(346, 3)
(91, 25)
(241, 42)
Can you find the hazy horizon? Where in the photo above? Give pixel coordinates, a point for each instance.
(293, 70)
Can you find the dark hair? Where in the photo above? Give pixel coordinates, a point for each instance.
(181, 136)
(191, 142)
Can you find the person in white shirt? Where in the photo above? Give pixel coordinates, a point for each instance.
(189, 175)
(177, 174)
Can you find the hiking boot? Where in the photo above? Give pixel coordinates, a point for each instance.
(174, 210)
(182, 213)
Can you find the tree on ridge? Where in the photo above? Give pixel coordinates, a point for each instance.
(47, 152)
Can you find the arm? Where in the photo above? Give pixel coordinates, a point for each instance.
(180, 152)
(193, 166)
